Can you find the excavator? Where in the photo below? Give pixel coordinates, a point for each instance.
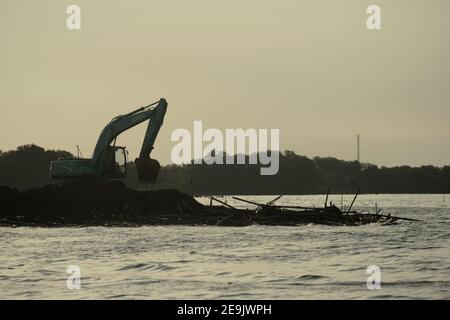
(109, 161)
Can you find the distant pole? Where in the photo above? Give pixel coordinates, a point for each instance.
(357, 148)
(79, 154)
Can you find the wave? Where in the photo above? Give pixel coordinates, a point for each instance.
(145, 266)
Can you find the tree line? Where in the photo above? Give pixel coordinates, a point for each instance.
(28, 166)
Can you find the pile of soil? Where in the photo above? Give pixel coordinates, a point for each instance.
(88, 203)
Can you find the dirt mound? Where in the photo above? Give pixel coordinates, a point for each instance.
(89, 202)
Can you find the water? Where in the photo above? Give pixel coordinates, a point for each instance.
(256, 262)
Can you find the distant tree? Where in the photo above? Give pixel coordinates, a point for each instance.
(27, 166)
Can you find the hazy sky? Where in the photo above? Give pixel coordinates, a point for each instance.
(310, 68)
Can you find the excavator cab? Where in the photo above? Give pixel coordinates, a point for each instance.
(116, 162)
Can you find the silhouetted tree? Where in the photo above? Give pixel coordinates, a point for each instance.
(28, 166)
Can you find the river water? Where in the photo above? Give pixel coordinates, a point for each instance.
(256, 262)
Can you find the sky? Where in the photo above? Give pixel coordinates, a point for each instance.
(310, 68)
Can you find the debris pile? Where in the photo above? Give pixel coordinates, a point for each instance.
(103, 203)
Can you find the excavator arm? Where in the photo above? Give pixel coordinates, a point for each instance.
(103, 163)
(147, 168)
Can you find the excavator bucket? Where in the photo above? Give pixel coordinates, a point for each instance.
(147, 169)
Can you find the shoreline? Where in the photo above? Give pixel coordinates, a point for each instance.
(111, 203)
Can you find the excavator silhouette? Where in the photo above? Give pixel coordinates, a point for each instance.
(110, 161)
